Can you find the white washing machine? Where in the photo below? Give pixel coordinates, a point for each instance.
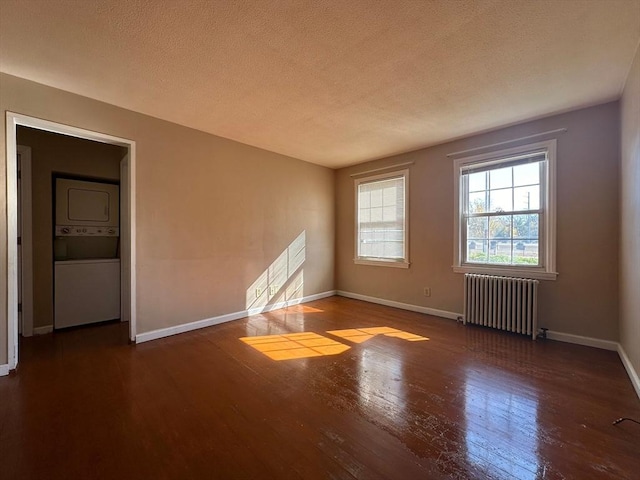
(86, 291)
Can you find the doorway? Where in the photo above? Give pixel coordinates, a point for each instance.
(127, 264)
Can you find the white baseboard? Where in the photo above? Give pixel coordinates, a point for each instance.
(604, 344)
(580, 340)
(403, 306)
(43, 330)
(4, 369)
(552, 335)
(209, 322)
(633, 375)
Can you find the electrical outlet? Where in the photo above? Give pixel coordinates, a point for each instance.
(258, 292)
(427, 292)
(273, 289)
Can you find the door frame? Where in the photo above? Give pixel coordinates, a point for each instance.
(25, 264)
(128, 271)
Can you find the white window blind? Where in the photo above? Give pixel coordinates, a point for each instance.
(381, 218)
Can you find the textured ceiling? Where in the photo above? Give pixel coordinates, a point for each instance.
(332, 82)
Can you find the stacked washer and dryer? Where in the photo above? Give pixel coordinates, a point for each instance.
(86, 250)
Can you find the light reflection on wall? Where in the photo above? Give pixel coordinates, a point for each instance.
(501, 427)
(282, 281)
(381, 386)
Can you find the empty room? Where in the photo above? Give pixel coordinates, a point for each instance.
(273, 239)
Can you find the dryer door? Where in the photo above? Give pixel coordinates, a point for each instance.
(88, 205)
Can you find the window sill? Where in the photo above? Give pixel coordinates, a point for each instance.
(506, 271)
(381, 263)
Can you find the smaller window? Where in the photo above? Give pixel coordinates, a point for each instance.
(381, 219)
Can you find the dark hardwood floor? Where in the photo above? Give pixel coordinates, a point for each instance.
(465, 403)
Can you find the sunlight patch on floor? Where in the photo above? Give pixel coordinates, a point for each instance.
(303, 309)
(360, 335)
(295, 345)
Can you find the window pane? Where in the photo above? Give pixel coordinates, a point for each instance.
(376, 198)
(389, 195)
(365, 215)
(389, 214)
(525, 252)
(366, 241)
(478, 228)
(525, 227)
(478, 181)
(364, 198)
(500, 227)
(376, 214)
(527, 198)
(501, 200)
(500, 178)
(394, 235)
(382, 243)
(393, 244)
(477, 251)
(477, 202)
(500, 251)
(528, 174)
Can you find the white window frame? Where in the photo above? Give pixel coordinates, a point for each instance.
(376, 261)
(547, 245)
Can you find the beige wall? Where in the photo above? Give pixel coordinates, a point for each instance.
(630, 217)
(61, 154)
(584, 298)
(212, 214)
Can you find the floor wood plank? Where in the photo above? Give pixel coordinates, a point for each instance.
(467, 403)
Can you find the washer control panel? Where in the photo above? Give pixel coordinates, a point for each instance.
(78, 231)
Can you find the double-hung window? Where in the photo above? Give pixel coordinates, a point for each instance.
(381, 219)
(505, 212)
